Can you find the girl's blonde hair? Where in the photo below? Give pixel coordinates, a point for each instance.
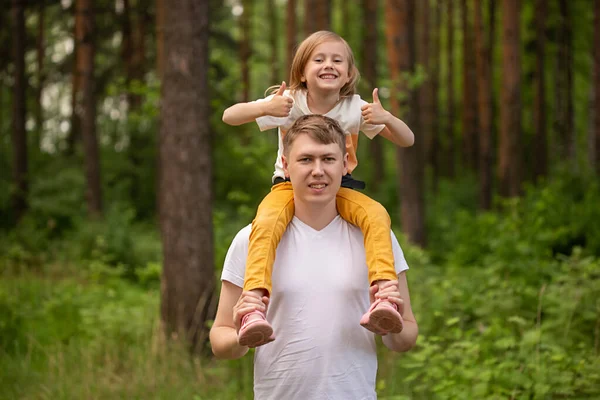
(302, 57)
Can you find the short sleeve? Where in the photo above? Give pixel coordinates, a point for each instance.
(269, 122)
(234, 267)
(399, 260)
(368, 129)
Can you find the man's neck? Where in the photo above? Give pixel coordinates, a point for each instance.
(316, 216)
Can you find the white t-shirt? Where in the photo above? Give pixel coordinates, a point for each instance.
(320, 291)
(347, 112)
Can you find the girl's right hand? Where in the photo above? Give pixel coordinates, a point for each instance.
(280, 105)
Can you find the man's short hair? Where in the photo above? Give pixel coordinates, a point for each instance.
(320, 128)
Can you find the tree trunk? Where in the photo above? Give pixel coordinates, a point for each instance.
(245, 48)
(433, 150)
(597, 82)
(540, 155)
(86, 102)
(134, 49)
(485, 104)
(425, 117)
(400, 33)
(450, 114)
(510, 109)
(41, 47)
(273, 35)
(469, 121)
(74, 138)
(160, 38)
(290, 42)
(563, 99)
(316, 15)
(369, 68)
(19, 133)
(185, 193)
(345, 27)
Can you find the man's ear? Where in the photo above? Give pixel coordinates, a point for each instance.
(345, 163)
(285, 166)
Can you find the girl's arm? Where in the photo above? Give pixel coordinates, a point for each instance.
(242, 113)
(396, 131)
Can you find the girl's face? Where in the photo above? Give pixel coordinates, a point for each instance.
(327, 69)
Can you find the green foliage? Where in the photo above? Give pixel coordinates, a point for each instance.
(505, 308)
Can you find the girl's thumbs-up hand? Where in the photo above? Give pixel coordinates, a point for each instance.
(374, 113)
(280, 105)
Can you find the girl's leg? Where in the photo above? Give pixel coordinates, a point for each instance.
(274, 214)
(374, 221)
(272, 218)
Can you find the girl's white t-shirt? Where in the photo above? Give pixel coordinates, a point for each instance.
(320, 291)
(347, 112)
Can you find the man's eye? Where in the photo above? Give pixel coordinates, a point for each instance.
(303, 160)
(330, 159)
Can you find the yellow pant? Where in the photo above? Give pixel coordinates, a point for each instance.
(276, 211)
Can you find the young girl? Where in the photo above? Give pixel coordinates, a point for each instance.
(323, 80)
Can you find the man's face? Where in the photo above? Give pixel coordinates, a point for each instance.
(315, 170)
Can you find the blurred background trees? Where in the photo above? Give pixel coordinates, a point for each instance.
(114, 161)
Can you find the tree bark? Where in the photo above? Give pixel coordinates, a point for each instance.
(245, 49)
(290, 42)
(86, 102)
(400, 33)
(540, 155)
(485, 104)
(317, 15)
(273, 35)
(185, 192)
(469, 118)
(425, 117)
(41, 51)
(450, 113)
(433, 150)
(510, 110)
(19, 133)
(369, 68)
(597, 82)
(160, 38)
(564, 86)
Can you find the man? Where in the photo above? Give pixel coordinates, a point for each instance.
(319, 286)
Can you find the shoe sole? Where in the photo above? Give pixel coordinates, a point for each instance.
(384, 320)
(255, 335)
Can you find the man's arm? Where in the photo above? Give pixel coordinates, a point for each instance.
(223, 334)
(405, 340)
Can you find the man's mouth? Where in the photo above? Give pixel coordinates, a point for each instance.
(317, 185)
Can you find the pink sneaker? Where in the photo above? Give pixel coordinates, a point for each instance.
(382, 318)
(255, 330)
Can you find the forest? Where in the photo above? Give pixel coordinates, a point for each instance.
(121, 188)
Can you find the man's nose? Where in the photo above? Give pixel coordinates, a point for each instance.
(317, 168)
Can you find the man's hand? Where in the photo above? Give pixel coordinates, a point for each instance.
(374, 113)
(249, 301)
(279, 105)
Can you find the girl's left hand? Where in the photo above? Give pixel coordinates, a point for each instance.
(374, 113)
